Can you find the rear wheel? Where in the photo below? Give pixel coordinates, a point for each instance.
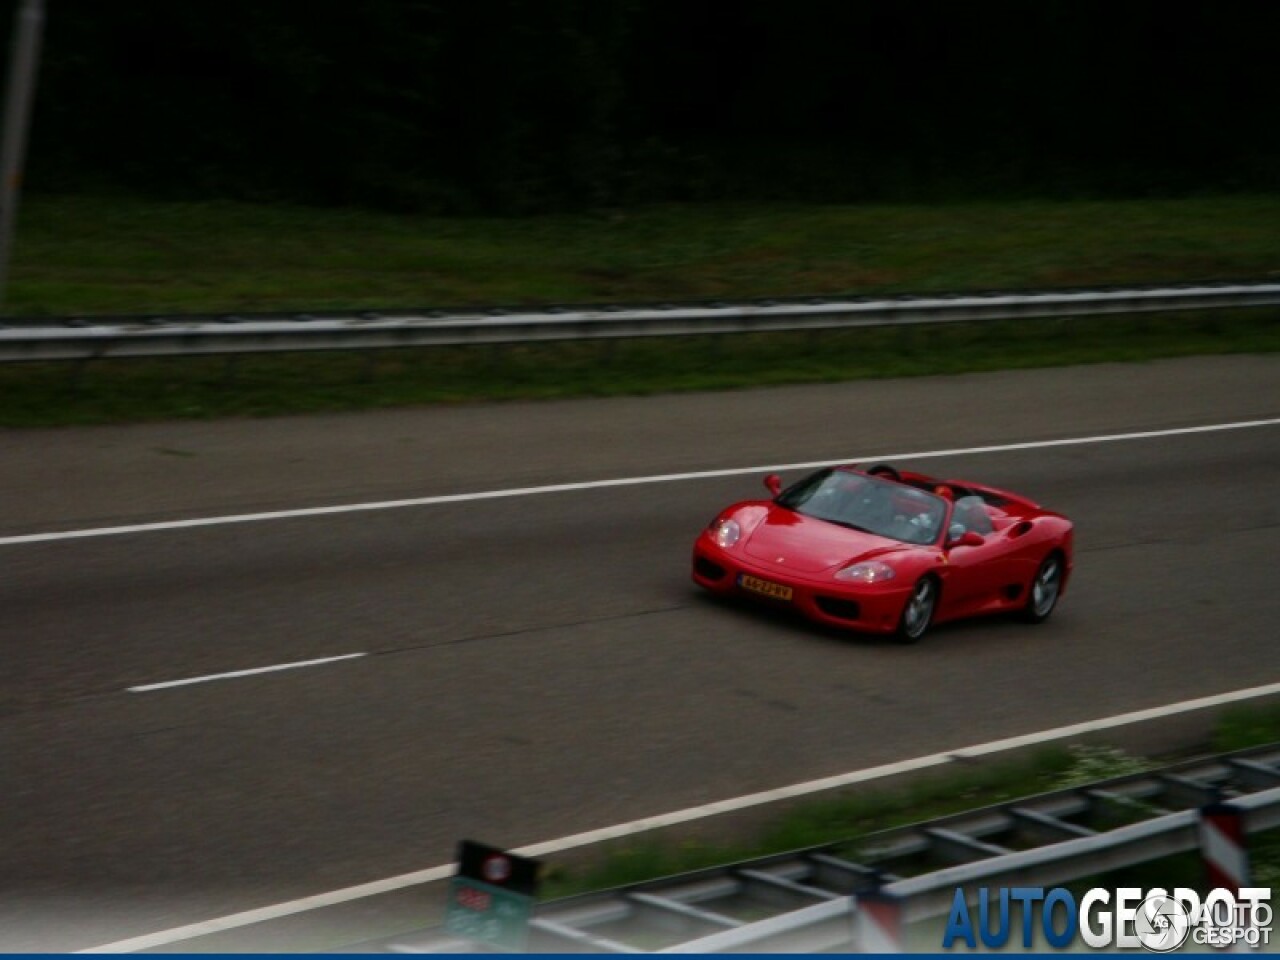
(918, 613)
(1045, 589)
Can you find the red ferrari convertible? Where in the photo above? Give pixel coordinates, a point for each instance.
(883, 551)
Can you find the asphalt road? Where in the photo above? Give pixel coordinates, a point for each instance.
(540, 665)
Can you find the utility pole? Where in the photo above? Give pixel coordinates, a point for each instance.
(28, 21)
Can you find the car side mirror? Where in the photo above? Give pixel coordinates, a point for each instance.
(773, 483)
(967, 538)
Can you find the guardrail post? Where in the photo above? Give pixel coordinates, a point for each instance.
(877, 924)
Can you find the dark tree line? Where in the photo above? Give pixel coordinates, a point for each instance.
(523, 105)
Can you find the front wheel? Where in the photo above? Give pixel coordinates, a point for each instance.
(1045, 590)
(918, 613)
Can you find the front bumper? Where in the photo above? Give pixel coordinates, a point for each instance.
(869, 608)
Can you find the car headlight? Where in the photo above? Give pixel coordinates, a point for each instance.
(726, 532)
(869, 571)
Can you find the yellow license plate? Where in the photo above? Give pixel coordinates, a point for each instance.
(764, 587)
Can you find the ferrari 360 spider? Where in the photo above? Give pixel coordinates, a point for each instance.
(886, 551)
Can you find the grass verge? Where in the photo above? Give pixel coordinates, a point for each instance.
(1247, 726)
(847, 820)
(842, 819)
(86, 255)
(107, 391)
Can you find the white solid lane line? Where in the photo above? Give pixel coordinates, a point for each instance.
(263, 914)
(619, 482)
(147, 687)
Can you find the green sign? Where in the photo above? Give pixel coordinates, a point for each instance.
(488, 914)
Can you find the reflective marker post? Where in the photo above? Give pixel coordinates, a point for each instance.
(1224, 849)
(878, 923)
(28, 22)
(1223, 845)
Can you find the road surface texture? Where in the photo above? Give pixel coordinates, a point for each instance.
(539, 665)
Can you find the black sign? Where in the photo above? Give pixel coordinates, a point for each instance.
(497, 868)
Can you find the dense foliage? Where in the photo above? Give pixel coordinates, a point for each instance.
(524, 105)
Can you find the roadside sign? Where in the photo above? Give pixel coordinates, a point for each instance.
(492, 896)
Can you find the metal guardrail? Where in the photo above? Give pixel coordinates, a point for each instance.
(805, 901)
(83, 338)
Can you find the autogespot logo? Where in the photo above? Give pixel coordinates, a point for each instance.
(1162, 923)
(1127, 918)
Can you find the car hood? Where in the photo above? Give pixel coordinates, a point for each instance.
(791, 541)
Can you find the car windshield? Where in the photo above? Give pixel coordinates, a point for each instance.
(860, 502)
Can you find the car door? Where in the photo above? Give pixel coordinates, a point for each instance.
(978, 574)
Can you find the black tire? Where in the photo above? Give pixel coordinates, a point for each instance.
(1045, 589)
(917, 614)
